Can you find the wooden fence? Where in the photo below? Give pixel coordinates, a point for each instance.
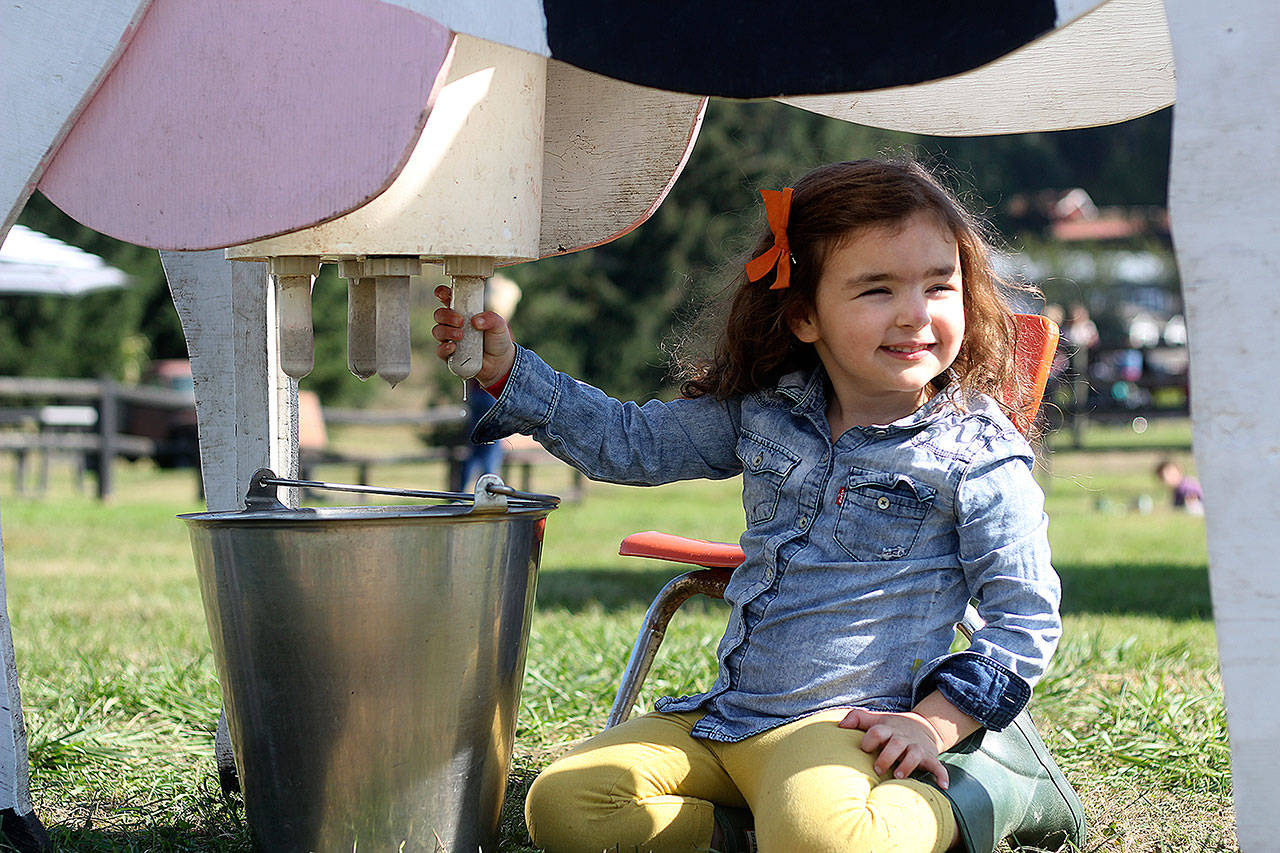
(95, 422)
(80, 418)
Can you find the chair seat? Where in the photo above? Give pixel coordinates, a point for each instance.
(682, 549)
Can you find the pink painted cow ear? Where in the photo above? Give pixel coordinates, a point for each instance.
(229, 122)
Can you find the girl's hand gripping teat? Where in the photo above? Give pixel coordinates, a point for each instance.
(499, 349)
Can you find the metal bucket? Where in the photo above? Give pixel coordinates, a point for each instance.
(370, 660)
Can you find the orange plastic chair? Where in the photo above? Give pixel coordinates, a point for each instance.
(1035, 343)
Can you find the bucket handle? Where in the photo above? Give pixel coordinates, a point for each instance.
(490, 494)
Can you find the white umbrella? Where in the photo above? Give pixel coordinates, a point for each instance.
(36, 264)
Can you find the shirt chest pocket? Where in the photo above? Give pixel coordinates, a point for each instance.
(765, 466)
(880, 514)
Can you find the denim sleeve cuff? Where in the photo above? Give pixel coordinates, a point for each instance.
(979, 687)
(525, 402)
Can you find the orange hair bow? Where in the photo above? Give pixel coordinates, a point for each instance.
(777, 204)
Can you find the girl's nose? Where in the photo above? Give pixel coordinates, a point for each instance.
(913, 312)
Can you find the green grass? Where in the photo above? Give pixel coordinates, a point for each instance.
(121, 699)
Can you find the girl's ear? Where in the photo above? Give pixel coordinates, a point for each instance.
(803, 325)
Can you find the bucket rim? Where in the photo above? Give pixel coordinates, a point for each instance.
(363, 513)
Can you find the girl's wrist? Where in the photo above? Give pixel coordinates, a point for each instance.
(949, 724)
(494, 382)
(940, 740)
(495, 388)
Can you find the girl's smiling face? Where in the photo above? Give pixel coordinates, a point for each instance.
(888, 317)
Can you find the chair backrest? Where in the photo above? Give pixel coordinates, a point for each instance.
(1035, 342)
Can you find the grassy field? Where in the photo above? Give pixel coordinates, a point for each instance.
(121, 700)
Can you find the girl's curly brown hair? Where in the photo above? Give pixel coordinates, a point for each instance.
(755, 345)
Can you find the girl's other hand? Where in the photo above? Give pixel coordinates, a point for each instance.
(499, 348)
(905, 739)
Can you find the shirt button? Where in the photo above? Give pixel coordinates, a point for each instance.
(756, 462)
(804, 522)
(883, 503)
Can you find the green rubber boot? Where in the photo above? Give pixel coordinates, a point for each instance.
(735, 831)
(1005, 785)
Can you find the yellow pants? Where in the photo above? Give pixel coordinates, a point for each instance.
(648, 785)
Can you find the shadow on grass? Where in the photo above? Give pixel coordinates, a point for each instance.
(513, 837)
(153, 839)
(147, 821)
(1166, 447)
(1176, 592)
(579, 589)
(231, 835)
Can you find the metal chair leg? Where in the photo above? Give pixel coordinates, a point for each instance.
(709, 582)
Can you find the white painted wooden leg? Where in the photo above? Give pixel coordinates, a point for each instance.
(18, 822)
(62, 54)
(1225, 206)
(246, 407)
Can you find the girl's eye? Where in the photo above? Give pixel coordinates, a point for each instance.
(874, 291)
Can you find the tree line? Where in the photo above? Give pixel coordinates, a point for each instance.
(604, 313)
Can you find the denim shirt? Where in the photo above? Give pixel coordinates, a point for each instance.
(861, 553)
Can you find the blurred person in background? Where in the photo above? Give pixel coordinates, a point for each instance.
(1185, 491)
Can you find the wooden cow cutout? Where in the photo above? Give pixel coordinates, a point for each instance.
(1225, 190)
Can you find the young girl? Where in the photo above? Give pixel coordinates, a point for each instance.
(884, 487)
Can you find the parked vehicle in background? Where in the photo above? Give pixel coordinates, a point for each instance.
(172, 428)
